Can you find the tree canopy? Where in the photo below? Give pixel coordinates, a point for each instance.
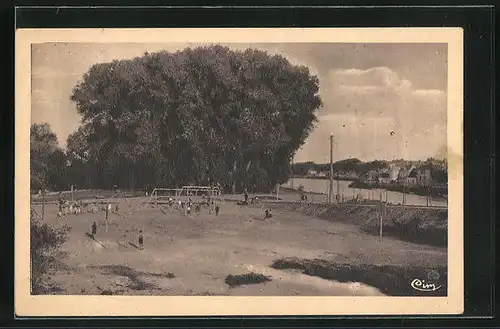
(208, 114)
(47, 160)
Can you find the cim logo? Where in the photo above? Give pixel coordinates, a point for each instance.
(422, 285)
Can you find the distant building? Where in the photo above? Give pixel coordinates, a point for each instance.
(312, 173)
(384, 178)
(352, 174)
(412, 177)
(403, 174)
(372, 175)
(424, 175)
(393, 173)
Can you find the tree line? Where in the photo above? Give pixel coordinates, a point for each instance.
(198, 116)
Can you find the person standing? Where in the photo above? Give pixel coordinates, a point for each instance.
(94, 230)
(60, 202)
(217, 210)
(107, 210)
(141, 240)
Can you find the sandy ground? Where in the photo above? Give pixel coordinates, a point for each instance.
(193, 255)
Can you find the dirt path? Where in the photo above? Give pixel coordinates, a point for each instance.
(193, 255)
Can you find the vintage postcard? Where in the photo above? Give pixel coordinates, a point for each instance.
(174, 172)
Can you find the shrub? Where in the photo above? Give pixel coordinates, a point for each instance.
(44, 242)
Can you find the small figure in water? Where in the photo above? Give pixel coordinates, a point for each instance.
(217, 210)
(268, 213)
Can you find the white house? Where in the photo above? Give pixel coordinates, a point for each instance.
(393, 173)
(384, 178)
(312, 172)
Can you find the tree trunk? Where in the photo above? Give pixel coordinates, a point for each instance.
(233, 185)
(132, 179)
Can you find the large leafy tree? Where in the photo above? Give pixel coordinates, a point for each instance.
(47, 160)
(208, 114)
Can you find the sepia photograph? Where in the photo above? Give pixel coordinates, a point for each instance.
(276, 165)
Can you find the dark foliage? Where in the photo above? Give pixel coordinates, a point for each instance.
(44, 243)
(390, 280)
(196, 116)
(248, 278)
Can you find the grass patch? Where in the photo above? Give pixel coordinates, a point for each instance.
(390, 280)
(416, 225)
(136, 283)
(243, 279)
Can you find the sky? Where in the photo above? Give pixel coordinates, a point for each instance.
(380, 101)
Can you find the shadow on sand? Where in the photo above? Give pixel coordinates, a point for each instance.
(134, 245)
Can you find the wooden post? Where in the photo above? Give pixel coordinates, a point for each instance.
(430, 195)
(338, 188)
(330, 194)
(404, 191)
(107, 218)
(72, 194)
(43, 204)
(381, 217)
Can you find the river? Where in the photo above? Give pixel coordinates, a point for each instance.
(322, 186)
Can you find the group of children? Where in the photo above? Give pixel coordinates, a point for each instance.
(66, 207)
(140, 237)
(108, 210)
(197, 208)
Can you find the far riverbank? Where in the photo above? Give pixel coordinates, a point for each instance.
(347, 191)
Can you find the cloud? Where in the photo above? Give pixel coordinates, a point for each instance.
(377, 91)
(428, 92)
(367, 90)
(376, 114)
(377, 76)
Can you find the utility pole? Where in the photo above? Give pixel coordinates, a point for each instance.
(291, 182)
(43, 203)
(338, 183)
(338, 186)
(331, 170)
(430, 195)
(405, 187)
(381, 216)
